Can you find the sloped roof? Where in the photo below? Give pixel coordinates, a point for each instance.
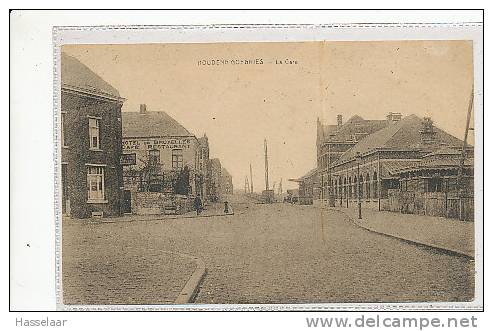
(151, 124)
(355, 124)
(76, 74)
(437, 164)
(403, 134)
(225, 173)
(394, 166)
(305, 176)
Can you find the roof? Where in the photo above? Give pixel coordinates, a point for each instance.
(305, 176)
(76, 74)
(203, 141)
(216, 163)
(437, 164)
(354, 126)
(225, 173)
(403, 134)
(151, 124)
(393, 167)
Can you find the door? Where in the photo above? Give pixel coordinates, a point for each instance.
(127, 202)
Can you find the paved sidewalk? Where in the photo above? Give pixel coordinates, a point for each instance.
(439, 232)
(215, 209)
(130, 270)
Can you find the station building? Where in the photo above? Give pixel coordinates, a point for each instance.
(404, 165)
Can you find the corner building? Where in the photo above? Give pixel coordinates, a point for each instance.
(91, 142)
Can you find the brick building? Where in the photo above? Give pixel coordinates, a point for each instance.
(335, 140)
(91, 133)
(214, 169)
(398, 164)
(407, 155)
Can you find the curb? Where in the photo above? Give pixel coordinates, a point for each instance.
(191, 288)
(446, 250)
(160, 219)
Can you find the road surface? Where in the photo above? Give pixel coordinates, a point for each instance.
(278, 253)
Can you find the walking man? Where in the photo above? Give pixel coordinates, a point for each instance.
(197, 203)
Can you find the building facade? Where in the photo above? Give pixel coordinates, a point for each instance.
(334, 140)
(403, 165)
(91, 143)
(163, 156)
(402, 157)
(226, 182)
(215, 169)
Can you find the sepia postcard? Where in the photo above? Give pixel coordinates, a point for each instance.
(269, 168)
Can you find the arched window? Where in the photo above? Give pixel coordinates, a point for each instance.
(355, 184)
(360, 193)
(367, 188)
(375, 185)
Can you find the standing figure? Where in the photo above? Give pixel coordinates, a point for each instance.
(197, 203)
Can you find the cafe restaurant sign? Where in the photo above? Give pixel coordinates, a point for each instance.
(161, 143)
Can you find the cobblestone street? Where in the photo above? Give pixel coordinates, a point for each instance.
(277, 253)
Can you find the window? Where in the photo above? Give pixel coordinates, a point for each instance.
(95, 183)
(375, 185)
(154, 157)
(435, 184)
(94, 133)
(62, 129)
(177, 159)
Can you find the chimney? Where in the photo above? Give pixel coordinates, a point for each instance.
(143, 109)
(394, 117)
(339, 120)
(427, 131)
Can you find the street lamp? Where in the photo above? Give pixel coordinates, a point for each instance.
(358, 161)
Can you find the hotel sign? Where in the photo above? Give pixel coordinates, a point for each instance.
(161, 143)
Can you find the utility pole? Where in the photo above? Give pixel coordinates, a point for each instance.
(460, 171)
(280, 187)
(266, 166)
(251, 179)
(247, 187)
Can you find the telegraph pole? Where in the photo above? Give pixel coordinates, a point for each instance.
(460, 171)
(251, 179)
(266, 166)
(247, 187)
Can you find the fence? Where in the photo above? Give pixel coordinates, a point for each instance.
(431, 204)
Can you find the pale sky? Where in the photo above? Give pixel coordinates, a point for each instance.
(237, 105)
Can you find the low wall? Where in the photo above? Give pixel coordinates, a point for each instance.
(156, 203)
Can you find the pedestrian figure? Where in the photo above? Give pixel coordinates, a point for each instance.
(226, 207)
(197, 203)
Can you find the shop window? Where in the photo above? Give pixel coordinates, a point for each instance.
(94, 124)
(95, 183)
(177, 158)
